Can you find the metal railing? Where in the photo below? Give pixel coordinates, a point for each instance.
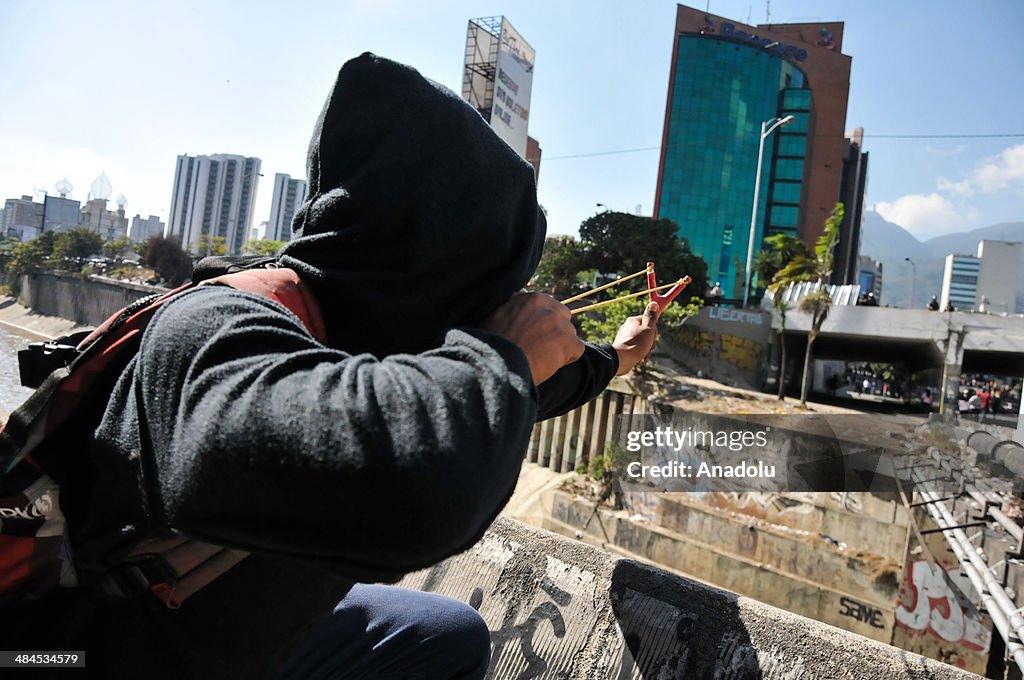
(571, 441)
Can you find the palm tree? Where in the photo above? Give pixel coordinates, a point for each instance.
(782, 248)
(802, 265)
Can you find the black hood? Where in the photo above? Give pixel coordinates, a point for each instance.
(419, 218)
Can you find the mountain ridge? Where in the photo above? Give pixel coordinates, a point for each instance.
(891, 244)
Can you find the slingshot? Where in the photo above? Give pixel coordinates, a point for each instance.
(652, 288)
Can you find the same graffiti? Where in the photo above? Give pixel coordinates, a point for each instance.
(859, 611)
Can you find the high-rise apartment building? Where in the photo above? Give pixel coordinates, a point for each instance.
(851, 194)
(997, 278)
(727, 80)
(869, 276)
(960, 282)
(213, 199)
(109, 224)
(986, 282)
(288, 196)
(22, 218)
(61, 213)
(144, 229)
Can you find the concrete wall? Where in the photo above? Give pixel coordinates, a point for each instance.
(723, 343)
(861, 520)
(854, 589)
(86, 301)
(561, 609)
(938, 613)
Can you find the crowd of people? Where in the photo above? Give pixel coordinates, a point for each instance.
(863, 380)
(982, 395)
(986, 396)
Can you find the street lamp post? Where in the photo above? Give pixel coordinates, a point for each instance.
(913, 280)
(767, 127)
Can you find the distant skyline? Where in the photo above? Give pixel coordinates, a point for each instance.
(124, 88)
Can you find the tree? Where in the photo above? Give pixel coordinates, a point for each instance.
(782, 248)
(615, 245)
(623, 243)
(117, 248)
(7, 247)
(562, 265)
(263, 246)
(166, 257)
(601, 325)
(72, 247)
(803, 266)
(212, 245)
(30, 257)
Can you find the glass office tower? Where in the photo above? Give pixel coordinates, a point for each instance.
(727, 79)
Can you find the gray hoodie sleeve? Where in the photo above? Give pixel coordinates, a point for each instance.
(263, 438)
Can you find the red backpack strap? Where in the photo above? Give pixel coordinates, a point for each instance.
(283, 286)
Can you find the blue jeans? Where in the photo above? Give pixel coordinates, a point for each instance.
(394, 633)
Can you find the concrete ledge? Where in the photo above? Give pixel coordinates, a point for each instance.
(560, 609)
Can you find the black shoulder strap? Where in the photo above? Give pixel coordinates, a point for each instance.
(15, 437)
(214, 266)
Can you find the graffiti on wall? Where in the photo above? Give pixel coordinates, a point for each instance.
(744, 354)
(858, 611)
(539, 626)
(740, 352)
(934, 602)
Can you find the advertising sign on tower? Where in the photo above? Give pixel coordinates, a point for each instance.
(498, 78)
(513, 81)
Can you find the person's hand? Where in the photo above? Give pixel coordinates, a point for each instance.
(635, 339)
(541, 326)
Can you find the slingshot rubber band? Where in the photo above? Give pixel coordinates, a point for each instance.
(681, 283)
(647, 270)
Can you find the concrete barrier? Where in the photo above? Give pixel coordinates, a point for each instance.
(560, 609)
(86, 301)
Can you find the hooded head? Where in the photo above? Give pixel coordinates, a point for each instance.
(418, 219)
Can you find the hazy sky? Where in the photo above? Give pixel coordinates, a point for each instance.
(124, 87)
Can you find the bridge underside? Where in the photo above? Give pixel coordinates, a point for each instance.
(916, 355)
(993, 363)
(914, 338)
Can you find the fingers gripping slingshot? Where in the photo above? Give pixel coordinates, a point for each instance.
(663, 301)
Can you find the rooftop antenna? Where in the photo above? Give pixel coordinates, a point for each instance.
(749, 9)
(767, 11)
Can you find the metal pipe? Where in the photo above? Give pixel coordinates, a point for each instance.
(997, 514)
(1000, 607)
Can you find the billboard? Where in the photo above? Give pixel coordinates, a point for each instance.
(513, 81)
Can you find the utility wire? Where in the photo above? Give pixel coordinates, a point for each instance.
(704, 140)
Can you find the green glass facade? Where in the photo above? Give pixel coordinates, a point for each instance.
(722, 91)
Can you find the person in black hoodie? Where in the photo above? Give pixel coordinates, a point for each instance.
(389, 448)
